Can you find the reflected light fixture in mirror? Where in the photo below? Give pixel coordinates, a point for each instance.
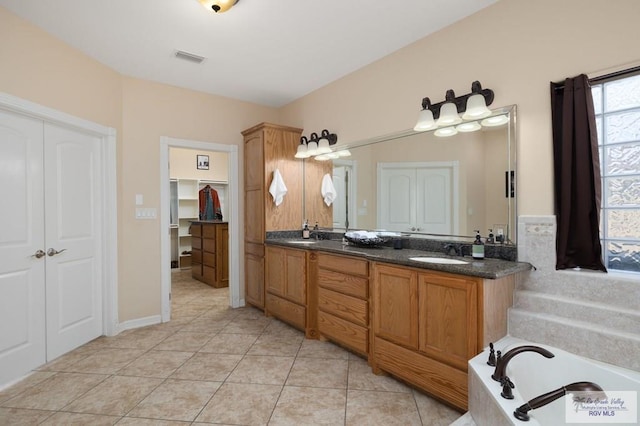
(218, 6)
(497, 120)
(454, 110)
(470, 126)
(444, 132)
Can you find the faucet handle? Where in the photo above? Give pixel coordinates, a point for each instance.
(492, 356)
(507, 386)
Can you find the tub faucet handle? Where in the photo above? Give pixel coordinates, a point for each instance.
(492, 356)
(507, 386)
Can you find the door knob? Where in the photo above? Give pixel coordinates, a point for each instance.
(38, 254)
(53, 252)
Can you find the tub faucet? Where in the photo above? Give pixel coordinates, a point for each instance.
(501, 363)
(521, 413)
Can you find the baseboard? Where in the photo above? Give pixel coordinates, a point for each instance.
(139, 322)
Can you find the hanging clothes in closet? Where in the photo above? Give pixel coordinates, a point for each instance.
(210, 208)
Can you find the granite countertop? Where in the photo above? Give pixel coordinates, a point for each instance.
(485, 268)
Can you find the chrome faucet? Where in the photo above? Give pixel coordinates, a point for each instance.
(501, 364)
(521, 413)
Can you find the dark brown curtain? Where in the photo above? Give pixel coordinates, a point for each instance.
(578, 187)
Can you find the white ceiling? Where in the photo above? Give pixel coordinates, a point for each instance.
(269, 52)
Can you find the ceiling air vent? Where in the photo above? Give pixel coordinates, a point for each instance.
(181, 54)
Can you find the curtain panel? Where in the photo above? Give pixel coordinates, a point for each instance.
(577, 180)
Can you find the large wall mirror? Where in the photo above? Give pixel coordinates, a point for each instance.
(429, 186)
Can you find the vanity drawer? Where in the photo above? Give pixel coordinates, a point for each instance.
(195, 230)
(208, 231)
(344, 332)
(209, 274)
(196, 243)
(209, 259)
(287, 311)
(346, 307)
(343, 283)
(349, 265)
(196, 256)
(209, 245)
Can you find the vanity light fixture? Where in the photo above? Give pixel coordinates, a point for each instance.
(218, 6)
(316, 145)
(454, 110)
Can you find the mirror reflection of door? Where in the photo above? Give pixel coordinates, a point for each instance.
(345, 203)
(418, 197)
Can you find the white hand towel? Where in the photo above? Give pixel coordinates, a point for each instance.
(277, 189)
(328, 191)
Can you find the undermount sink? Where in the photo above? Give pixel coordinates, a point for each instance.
(440, 260)
(301, 242)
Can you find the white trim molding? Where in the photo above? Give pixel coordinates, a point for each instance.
(236, 298)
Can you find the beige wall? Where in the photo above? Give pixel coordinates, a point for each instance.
(150, 111)
(515, 47)
(182, 165)
(42, 69)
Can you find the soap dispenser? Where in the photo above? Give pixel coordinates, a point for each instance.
(477, 248)
(490, 237)
(305, 230)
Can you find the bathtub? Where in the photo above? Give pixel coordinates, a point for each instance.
(534, 375)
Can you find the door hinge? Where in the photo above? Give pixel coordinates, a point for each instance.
(169, 296)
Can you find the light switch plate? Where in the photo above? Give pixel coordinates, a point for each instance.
(146, 213)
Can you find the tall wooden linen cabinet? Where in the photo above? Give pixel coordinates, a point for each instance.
(268, 147)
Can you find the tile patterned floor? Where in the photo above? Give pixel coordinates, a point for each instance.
(214, 365)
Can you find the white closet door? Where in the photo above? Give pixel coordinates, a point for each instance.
(22, 289)
(397, 204)
(434, 192)
(72, 223)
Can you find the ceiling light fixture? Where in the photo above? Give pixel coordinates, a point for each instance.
(218, 6)
(454, 110)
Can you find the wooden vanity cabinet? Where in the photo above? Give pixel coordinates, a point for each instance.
(268, 147)
(210, 253)
(343, 301)
(286, 285)
(426, 326)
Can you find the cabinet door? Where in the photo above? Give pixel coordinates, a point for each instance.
(254, 274)
(396, 305)
(448, 318)
(275, 272)
(296, 276)
(253, 160)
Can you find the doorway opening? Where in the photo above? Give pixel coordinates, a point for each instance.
(176, 251)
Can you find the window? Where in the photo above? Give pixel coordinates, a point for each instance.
(617, 108)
